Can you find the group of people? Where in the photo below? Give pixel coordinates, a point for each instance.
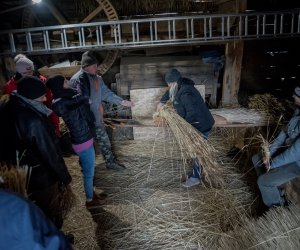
(282, 163)
(30, 132)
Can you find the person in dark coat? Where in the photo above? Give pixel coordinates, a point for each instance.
(29, 139)
(74, 108)
(25, 67)
(90, 84)
(190, 105)
(24, 226)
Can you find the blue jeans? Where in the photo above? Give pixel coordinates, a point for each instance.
(87, 163)
(196, 165)
(269, 183)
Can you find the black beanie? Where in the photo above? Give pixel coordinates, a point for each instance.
(56, 85)
(88, 59)
(172, 75)
(31, 87)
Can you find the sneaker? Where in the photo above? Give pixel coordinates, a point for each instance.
(192, 181)
(115, 166)
(95, 202)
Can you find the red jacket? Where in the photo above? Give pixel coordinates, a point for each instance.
(11, 86)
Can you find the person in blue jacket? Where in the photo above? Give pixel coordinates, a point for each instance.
(24, 226)
(190, 105)
(284, 163)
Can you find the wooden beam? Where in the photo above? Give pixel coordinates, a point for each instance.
(60, 18)
(232, 73)
(92, 14)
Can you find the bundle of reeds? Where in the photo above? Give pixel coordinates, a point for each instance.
(14, 178)
(277, 229)
(268, 104)
(193, 145)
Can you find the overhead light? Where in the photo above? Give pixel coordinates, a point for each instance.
(36, 1)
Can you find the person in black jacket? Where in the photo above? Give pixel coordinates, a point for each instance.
(190, 105)
(29, 139)
(74, 108)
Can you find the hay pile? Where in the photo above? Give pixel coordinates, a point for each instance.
(148, 207)
(14, 178)
(268, 104)
(277, 229)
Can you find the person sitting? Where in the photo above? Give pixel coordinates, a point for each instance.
(281, 162)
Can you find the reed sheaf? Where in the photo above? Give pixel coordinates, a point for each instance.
(193, 145)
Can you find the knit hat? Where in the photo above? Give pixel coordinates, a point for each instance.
(24, 64)
(31, 87)
(172, 75)
(88, 59)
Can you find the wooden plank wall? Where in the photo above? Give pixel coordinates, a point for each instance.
(148, 72)
(146, 101)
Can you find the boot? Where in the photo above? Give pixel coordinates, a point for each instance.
(115, 166)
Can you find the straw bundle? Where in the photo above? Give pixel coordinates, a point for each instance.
(14, 178)
(268, 104)
(277, 229)
(193, 145)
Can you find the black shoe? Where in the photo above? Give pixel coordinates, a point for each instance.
(115, 166)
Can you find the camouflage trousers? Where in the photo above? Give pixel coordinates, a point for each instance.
(104, 144)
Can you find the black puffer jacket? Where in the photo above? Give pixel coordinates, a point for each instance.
(76, 113)
(74, 108)
(30, 132)
(190, 105)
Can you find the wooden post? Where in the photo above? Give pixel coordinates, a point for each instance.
(233, 65)
(232, 73)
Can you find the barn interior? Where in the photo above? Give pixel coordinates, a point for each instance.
(244, 59)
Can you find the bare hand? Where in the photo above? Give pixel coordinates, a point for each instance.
(127, 103)
(159, 106)
(267, 165)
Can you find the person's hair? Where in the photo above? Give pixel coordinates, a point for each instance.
(173, 91)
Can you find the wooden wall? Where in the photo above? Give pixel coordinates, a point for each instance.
(148, 72)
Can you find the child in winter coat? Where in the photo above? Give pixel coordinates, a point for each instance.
(75, 111)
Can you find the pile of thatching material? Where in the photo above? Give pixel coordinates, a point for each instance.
(149, 208)
(268, 104)
(14, 178)
(277, 229)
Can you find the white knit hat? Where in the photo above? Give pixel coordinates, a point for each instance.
(24, 64)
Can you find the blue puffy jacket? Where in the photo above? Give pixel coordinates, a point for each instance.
(24, 226)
